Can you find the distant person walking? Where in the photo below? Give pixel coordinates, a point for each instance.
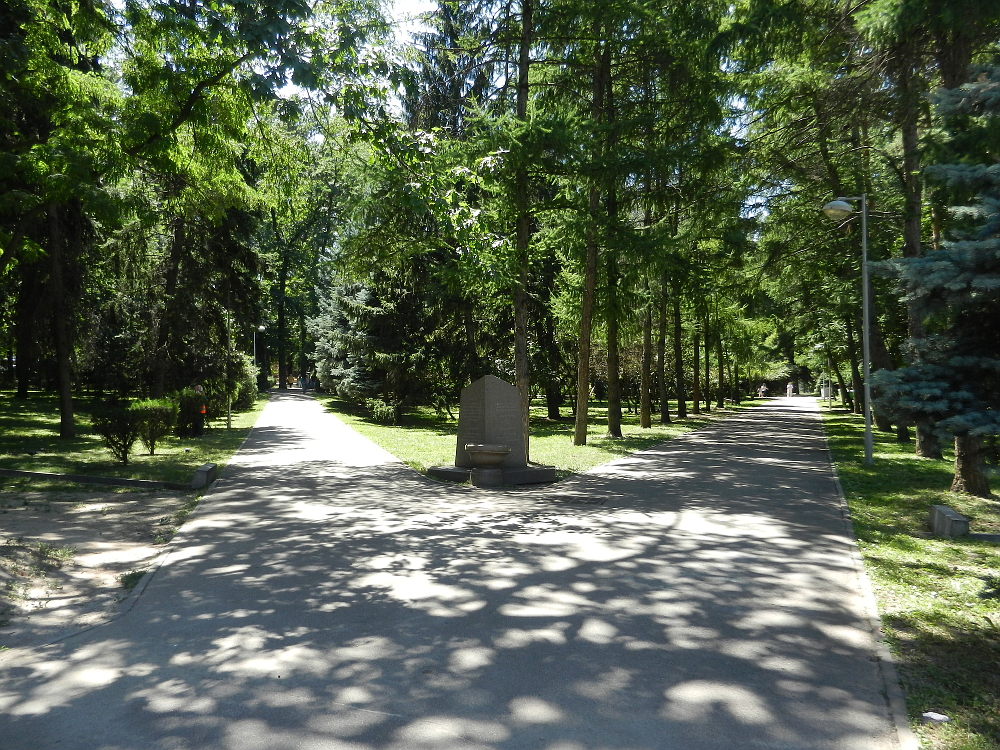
(762, 391)
(790, 390)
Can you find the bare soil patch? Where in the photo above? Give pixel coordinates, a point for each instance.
(64, 555)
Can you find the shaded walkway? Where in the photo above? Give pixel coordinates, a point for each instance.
(326, 596)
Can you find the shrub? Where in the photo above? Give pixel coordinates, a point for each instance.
(382, 412)
(118, 426)
(156, 419)
(246, 384)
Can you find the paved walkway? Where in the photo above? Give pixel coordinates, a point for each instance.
(326, 597)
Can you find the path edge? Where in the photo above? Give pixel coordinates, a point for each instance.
(155, 564)
(140, 587)
(895, 701)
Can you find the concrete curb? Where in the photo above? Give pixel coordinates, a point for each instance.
(895, 700)
(149, 484)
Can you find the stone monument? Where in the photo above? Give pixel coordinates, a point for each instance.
(490, 412)
(489, 416)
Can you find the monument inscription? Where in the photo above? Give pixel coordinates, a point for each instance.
(490, 412)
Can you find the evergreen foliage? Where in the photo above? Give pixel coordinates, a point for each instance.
(953, 380)
(382, 412)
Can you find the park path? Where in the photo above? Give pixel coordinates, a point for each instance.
(700, 595)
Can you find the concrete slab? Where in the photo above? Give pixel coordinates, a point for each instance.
(947, 522)
(326, 596)
(512, 477)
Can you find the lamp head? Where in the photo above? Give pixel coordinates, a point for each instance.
(838, 209)
(261, 328)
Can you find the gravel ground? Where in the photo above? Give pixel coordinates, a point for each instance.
(62, 556)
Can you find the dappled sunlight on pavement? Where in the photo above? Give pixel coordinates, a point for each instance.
(326, 596)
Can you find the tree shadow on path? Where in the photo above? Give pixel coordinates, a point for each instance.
(709, 602)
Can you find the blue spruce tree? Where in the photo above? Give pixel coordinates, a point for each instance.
(953, 381)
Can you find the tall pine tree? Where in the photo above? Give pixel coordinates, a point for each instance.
(954, 379)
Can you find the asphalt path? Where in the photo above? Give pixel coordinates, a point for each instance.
(700, 595)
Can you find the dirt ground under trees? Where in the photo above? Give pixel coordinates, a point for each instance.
(68, 559)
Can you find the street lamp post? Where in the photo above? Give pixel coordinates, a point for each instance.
(840, 209)
(260, 329)
(829, 382)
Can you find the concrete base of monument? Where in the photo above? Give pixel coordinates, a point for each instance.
(534, 474)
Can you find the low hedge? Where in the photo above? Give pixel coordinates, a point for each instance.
(118, 426)
(157, 418)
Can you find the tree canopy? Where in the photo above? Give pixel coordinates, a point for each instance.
(606, 200)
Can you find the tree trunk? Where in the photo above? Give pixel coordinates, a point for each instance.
(882, 422)
(721, 397)
(614, 362)
(61, 322)
(471, 347)
(553, 400)
(523, 232)
(848, 401)
(661, 357)
(613, 273)
(679, 357)
(969, 476)
(586, 326)
(521, 367)
(590, 269)
(856, 383)
(696, 379)
(881, 360)
(909, 114)
(645, 405)
(29, 297)
(303, 363)
(928, 445)
(165, 324)
(282, 330)
(708, 369)
(554, 361)
(282, 304)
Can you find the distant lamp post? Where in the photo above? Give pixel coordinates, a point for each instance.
(829, 378)
(839, 210)
(260, 370)
(829, 382)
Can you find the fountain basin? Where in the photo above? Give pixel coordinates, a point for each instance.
(487, 459)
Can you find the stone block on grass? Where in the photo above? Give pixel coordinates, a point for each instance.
(946, 522)
(204, 475)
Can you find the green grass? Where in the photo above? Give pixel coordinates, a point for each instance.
(939, 598)
(130, 580)
(29, 441)
(424, 438)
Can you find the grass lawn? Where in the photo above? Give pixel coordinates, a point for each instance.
(939, 599)
(425, 438)
(29, 441)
